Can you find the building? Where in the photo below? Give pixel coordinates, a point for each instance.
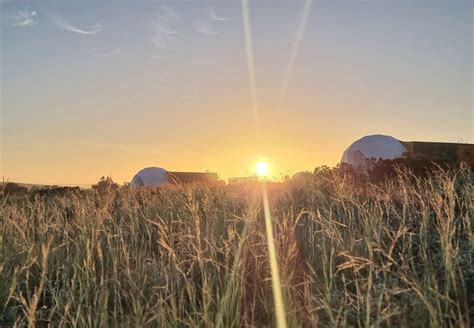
(156, 176)
(374, 147)
(190, 177)
(242, 180)
(445, 151)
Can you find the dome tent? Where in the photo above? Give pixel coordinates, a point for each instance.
(374, 146)
(150, 177)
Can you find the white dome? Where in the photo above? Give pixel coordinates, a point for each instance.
(150, 177)
(375, 146)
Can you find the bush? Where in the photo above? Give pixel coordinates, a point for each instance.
(14, 189)
(105, 185)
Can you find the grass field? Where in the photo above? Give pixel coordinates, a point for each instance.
(398, 253)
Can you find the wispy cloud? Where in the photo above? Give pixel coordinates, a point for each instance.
(66, 26)
(158, 76)
(164, 28)
(162, 80)
(170, 12)
(204, 27)
(160, 56)
(22, 18)
(188, 96)
(214, 16)
(116, 52)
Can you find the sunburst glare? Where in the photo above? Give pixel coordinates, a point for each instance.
(261, 168)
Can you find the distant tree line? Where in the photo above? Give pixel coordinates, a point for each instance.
(379, 170)
(15, 190)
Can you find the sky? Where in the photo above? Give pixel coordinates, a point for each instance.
(106, 88)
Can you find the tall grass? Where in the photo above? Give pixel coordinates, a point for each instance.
(398, 253)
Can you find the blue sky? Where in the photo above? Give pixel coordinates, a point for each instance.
(105, 88)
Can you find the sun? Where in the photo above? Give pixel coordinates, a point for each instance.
(261, 168)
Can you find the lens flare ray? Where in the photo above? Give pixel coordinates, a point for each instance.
(294, 52)
(250, 64)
